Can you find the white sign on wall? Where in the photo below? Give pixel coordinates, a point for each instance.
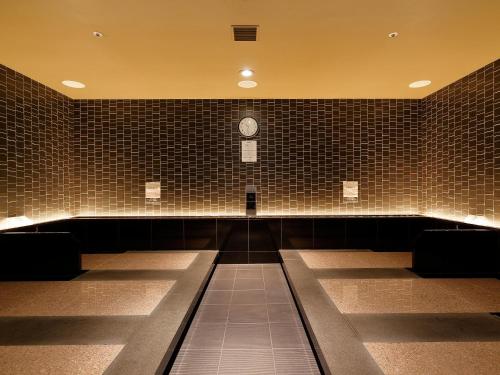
(249, 151)
(350, 191)
(153, 192)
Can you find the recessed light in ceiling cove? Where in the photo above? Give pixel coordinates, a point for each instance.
(393, 34)
(97, 34)
(418, 84)
(247, 84)
(73, 84)
(246, 73)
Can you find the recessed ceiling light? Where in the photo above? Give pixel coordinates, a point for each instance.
(246, 73)
(97, 34)
(418, 84)
(73, 84)
(247, 84)
(393, 35)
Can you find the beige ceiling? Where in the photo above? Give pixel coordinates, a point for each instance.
(305, 48)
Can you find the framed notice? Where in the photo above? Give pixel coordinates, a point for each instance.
(350, 193)
(153, 192)
(249, 151)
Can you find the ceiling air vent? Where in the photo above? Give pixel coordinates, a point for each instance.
(245, 33)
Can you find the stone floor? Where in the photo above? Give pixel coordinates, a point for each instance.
(414, 295)
(119, 317)
(367, 311)
(247, 323)
(82, 298)
(406, 324)
(356, 259)
(457, 358)
(57, 359)
(139, 260)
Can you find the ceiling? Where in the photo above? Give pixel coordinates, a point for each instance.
(305, 48)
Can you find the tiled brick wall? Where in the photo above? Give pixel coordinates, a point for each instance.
(35, 159)
(306, 148)
(438, 156)
(460, 147)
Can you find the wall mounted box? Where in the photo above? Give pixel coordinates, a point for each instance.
(251, 200)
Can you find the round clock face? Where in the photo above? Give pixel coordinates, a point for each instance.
(248, 127)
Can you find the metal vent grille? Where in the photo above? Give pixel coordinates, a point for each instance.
(245, 33)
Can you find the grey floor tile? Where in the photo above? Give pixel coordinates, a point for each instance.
(217, 297)
(277, 296)
(248, 284)
(247, 336)
(282, 313)
(247, 362)
(248, 314)
(249, 266)
(227, 266)
(295, 362)
(252, 324)
(271, 266)
(287, 335)
(245, 297)
(196, 362)
(212, 314)
(205, 336)
(276, 273)
(275, 281)
(225, 284)
(275, 284)
(225, 274)
(249, 274)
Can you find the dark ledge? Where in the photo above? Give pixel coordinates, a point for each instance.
(338, 345)
(152, 345)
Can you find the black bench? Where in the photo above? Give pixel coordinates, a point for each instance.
(457, 252)
(39, 256)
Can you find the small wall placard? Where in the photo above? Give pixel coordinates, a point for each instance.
(249, 151)
(350, 191)
(153, 192)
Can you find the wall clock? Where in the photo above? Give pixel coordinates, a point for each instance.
(248, 127)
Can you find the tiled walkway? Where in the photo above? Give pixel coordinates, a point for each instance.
(247, 323)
